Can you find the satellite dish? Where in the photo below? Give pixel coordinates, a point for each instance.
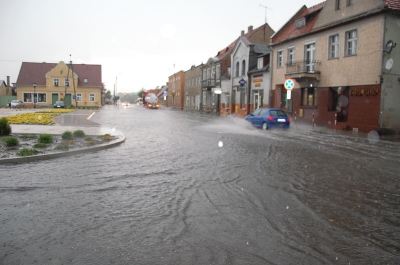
(389, 64)
(389, 46)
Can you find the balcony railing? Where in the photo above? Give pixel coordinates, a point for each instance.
(210, 83)
(304, 66)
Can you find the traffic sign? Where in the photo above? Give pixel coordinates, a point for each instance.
(289, 84)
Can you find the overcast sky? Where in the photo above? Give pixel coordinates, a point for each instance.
(136, 42)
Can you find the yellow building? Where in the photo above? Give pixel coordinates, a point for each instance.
(79, 85)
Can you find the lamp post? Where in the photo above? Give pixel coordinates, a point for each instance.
(34, 93)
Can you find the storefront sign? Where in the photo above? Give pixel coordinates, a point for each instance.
(257, 80)
(369, 91)
(257, 85)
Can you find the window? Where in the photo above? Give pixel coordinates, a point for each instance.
(350, 2)
(208, 73)
(338, 4)
(300, 22)
(334, 46)
(79, 97)
(280, 59)
(41, 97)
(213, 72)
(204, 98)
(260, 63)
(56, 81)
(243, 67)
(351, 42)
(242, 99)
(28, 97)
(91, 97)
(309, 57)
(204, 74)
(85, 80)
(291, 56)
(308, 96)
(66, 82)
(237, 69)
(218, 71)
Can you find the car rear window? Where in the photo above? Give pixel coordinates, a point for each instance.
(277, 113)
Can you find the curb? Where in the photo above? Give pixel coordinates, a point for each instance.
(28, 159)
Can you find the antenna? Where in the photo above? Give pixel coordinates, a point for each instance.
(266, 7)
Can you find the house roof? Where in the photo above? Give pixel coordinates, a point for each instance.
(36, 73)
(226, 51)
(289, 30)
(392, 4)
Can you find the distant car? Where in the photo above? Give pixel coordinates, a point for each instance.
(126, 104)
(139, 101)
(17, 104)
(267, 118)
(59, 104)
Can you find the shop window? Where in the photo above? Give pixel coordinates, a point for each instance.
(91, 97)
(308, 96)
(41, 97)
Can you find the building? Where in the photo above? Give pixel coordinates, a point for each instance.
(193, 88)
(42, 84)
(337, 60)
(217, 85)
(248, 87)
(176, 90)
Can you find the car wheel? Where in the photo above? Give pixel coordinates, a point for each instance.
(265, 126)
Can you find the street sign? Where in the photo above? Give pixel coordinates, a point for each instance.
(289, 84)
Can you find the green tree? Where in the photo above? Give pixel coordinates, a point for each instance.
(140, 93)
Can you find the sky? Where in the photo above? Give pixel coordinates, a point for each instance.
(139, 44)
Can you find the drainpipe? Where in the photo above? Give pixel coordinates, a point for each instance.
(271, 71)
(381, 104)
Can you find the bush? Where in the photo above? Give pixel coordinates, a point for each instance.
(62, 146)
(78, 133)
(67, 135)
(10, 141)
(26, 152)
(5, 128)
(88, 138)
(45, 138)
(39, 145)
(106, 137)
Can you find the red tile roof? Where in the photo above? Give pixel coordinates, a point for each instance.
(393, 4)
(36, 73)
(289, 30)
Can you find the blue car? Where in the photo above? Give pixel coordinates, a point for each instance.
(267, 118)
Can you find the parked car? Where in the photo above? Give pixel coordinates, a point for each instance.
(59, 104)
(17, 104)
(267, 118)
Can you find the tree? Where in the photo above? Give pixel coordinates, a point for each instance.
(140, 93)
(108, 94)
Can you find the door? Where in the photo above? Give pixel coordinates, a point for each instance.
(257, 101)
(54, 98)
(309, 57)
(67, 101)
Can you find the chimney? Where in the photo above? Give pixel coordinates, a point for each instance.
(8, 81)
(250, 29)
(242, 33)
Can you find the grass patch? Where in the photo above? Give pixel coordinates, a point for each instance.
(10, 141)
(45, 138)
(105, 137)
(78, 133)
(67, 135)
(26, 152)
(40, 145)
(62, 146)
(28, 136)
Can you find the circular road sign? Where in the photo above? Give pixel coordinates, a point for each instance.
(289, 84)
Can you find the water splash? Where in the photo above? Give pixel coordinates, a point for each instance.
(220, 144)
(373, 137)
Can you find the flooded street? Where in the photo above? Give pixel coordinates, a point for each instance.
(186, 188)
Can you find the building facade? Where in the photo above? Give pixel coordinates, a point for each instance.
(42, 84)
(332, 65)
(176, 90)
(193, 88)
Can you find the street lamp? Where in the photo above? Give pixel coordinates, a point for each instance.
(34, 92)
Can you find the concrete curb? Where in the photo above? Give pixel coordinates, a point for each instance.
(28, 159)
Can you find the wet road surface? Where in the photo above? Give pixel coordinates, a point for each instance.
(186, 188)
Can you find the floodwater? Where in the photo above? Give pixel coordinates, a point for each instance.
(187, 188)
